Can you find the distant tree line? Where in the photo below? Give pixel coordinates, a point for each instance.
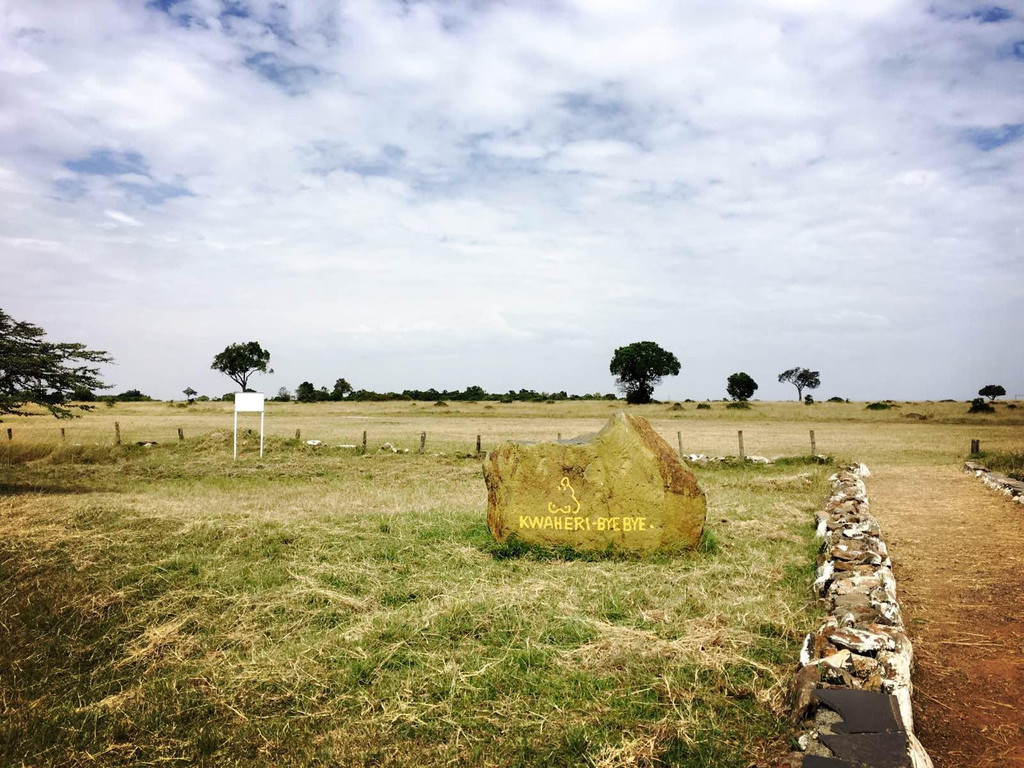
(307, 392)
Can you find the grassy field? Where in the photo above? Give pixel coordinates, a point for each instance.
(166, 605)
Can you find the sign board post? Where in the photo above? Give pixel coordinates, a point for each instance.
(249, 402)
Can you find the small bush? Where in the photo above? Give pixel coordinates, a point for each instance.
(878, 406)
(676, 407)
(703, 406)
(836, 400)
(743, 405)
(808, 400)
(978, 405)
(440, 404)
(1011, 406)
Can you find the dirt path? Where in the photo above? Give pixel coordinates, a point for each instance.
(958, 553)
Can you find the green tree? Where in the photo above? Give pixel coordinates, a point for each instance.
(44, 373)
(801, 378)
(189, 393)
(305, 392)
(992, 391)
(341, 390)
(740, 386)
(240, 361)
(639, 367)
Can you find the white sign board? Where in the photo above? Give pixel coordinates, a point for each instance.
(249, 402)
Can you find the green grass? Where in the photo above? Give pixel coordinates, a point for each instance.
(169, 606)
(1005, 462)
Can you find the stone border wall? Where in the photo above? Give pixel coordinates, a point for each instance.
(852, 694)
(1014, 489)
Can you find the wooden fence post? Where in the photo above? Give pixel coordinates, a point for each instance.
(364, 441)
(62, 434)
(975, 446)
(478, 445)
(559, 437)
(181, 434)
(298, 434)
(814, 449)
(679, 439)
(740, 434)
(423, 441)
(117, 433)
(10, 434)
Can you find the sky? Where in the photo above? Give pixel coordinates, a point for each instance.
(451, 193)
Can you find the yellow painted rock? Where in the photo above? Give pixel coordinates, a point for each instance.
(624, 488)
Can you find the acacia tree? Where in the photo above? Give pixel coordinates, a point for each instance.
(740, 386)
(639, 368)
(240, 361)
(992, 391)
(801, 378)
(44, 373)
(189, 393)
(342, 389)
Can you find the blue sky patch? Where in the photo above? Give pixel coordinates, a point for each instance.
(987, 139)
(293, 78)
(107, 162)
(992, 14)
(157, 193)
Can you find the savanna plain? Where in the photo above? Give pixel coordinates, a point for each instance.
(167, 605)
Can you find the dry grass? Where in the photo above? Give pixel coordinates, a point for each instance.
(166, 605)
(769, 428)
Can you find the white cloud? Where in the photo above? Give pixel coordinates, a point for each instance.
(123, 218)
(452, 184)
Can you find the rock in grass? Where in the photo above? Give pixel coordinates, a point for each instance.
(624, 488)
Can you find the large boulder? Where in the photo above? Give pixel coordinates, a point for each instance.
(623, 488)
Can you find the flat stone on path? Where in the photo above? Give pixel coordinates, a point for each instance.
(624, 488)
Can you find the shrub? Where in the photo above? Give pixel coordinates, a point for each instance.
(878, 406)
(978, 405)
(440, 404)
(836, 400)
(808, 400)
(741, 404)
(676, 407)
(133, 396)
(703, 406)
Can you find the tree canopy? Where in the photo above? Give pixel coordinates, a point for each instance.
(639, 367)
(40, 372)
(801, 378)
(240, 361)
(740, 387)
(992, 391)
(341, 389)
